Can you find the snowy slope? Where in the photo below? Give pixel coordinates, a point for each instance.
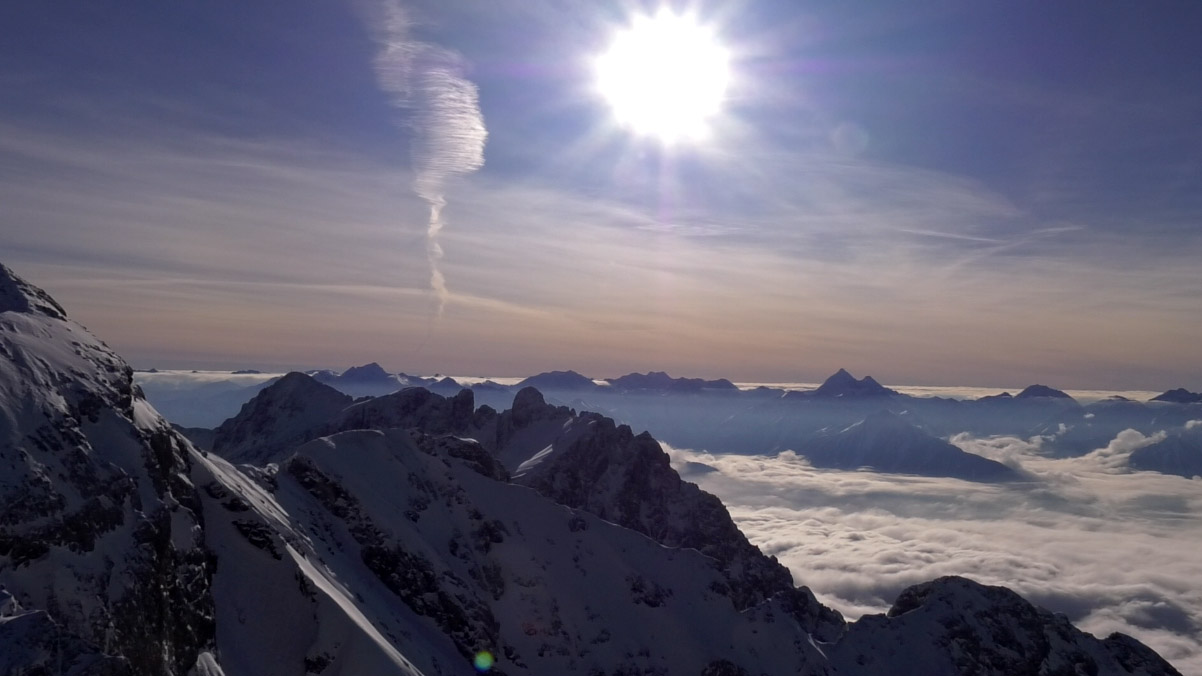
(497, 567)
(280, 611)
(99, 524)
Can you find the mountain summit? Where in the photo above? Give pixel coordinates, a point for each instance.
(843, 385)
(17, 295)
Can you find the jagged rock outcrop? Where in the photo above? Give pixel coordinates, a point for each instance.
(607, 470)
(297, 409)
(954, 627)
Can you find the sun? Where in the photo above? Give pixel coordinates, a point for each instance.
(665, 77)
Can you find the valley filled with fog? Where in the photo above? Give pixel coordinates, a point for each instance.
(1111, 549)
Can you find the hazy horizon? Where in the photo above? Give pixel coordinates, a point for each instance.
(934, 193)
(951, 391)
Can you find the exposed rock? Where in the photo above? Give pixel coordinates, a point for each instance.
(953, 627)
(278, 419)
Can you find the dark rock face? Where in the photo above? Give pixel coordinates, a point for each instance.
(953, 626)
(94, 482)
(628, 480)
(414, 407)
(32, 643)
(297, 409)
(278, 419)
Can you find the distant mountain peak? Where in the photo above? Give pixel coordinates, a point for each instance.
(558, 380)
(1041, 391)
(1179, 396)
(17, 295)
(660, 380)
(367, 372)
(890, 442)
(844, 384)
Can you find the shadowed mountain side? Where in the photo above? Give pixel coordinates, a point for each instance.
(1179, 453)
(1179, 396)
(100, 528)
(278, 418)
(887, 442)
(607, 470)
(953, 627)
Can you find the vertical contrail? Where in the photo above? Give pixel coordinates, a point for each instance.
(442, 108)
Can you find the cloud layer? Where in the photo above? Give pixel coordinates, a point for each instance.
(1114, 551)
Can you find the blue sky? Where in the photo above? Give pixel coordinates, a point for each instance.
(932, 193)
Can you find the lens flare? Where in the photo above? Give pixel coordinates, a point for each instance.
(483, 661)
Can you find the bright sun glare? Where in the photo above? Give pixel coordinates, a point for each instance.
(665, 76)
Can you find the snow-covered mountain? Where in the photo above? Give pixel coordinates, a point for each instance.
(392, 543)
(101, 534)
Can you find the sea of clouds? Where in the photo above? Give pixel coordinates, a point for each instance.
(1113, 550)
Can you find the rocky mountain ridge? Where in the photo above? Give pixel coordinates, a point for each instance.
(390, 543)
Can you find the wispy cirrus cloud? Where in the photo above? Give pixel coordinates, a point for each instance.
(844, 272)
(440, 107)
